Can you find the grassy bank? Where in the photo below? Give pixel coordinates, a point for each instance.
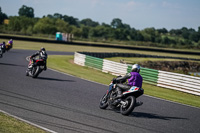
(11, 125)
(65, 64)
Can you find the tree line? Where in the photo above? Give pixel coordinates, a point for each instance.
(88, 29)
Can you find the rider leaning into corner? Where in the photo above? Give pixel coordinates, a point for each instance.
(42, 55)
(134, 79)
(3, 47)
(10, 42)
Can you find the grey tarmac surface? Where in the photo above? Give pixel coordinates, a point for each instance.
(68, 104)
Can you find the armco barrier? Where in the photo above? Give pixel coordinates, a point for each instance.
(180, 82)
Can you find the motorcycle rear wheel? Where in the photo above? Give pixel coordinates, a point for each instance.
(103, 102)
(127, 108)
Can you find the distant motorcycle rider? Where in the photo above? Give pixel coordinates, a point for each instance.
(134, 79)
(42, 55)
(3, 47)
(10, 43)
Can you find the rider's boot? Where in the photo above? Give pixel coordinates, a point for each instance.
(45, 67)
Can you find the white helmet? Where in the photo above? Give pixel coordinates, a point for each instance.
(136, 68)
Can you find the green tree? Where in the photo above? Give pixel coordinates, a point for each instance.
(49, 16)
(57, 15)
(133, 33)
(165, 40)
(175, 32)
(105, 25)
(100, 31)
(89, 22)
(85, 31)
(149, 34)
(26, 11)
(76, 31)
(194, 37)
(139, 36)
(163, 30)
(45, 26)
(14, 24)
(198, 30)
(71, 20)
(62, 26)
(21, 24)
(117, 23)
(2, 16)
(126, 26)
(185, 33)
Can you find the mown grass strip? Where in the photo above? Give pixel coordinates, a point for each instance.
(9, 124)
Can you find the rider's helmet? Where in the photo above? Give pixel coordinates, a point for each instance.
(42, 49)
(43, 54)
(136, 68)
(4, 43)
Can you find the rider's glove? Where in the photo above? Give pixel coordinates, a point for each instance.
(114, 80)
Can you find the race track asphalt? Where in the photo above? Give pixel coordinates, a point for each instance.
(67, 104)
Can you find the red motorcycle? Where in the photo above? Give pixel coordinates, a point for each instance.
(35, 67)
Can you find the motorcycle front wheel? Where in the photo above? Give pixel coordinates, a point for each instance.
(35, 71)
(103, 102)
(128, 105)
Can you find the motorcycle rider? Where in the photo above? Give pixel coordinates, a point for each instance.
(1, 52)
(3, 47)
(42, 55)
(134, 79)
(10, 43)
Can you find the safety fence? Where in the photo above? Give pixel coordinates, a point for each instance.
(180, 82)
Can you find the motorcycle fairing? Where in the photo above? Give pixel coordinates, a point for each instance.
(132, 89)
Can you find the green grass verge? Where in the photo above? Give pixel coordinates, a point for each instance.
(11, 125)
(65, 64)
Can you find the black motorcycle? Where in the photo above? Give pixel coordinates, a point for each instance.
(37, 68)
(125, 104)
(3, 48)
(1, 53)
